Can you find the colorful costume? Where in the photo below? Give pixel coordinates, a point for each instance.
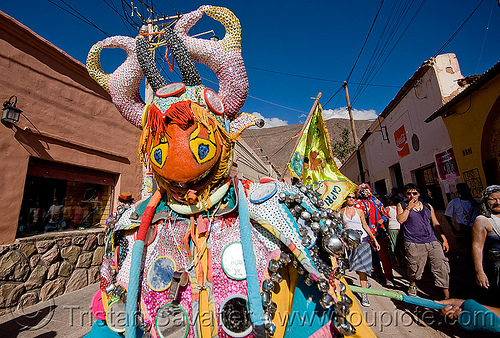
(208, 255)
(375, 211)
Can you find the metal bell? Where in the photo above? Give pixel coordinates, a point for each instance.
(329, 223)
(323, 213)
(308, 280)
(271, 329)
(303, 189)
(307, 241)
(346, 300)
(120, 209)
(303, 231)
(315, 226)
(298, 209)
(281, 197)
(297, 199)
(110, 288)
(326, 300)
(285, 258)
(301, 270)
(271, 308)
(314, 200)
(346, 329)
(352, 238)
(323, 285)
(332, 244)
(267, 285)
(341, 309)
(316, 216)
(276, 277)
(320, 203)
(325, 230)
(305, 215)
(342, 288)
(273, 265)
(266, 298)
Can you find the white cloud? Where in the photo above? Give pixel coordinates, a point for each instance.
(342, 113)
(271, 122)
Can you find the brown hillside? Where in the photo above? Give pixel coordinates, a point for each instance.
(276, 144)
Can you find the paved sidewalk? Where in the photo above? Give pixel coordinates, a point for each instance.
(66, 316)
(69, 315)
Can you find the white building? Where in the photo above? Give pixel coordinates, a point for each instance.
(400, 148)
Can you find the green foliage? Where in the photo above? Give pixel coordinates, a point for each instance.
(343, 148)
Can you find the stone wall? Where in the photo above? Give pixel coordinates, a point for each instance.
(38, 268)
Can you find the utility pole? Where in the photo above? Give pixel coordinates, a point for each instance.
(354, 134)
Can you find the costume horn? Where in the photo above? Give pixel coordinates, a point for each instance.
(123, 84)
(223, 57)
(190, 75)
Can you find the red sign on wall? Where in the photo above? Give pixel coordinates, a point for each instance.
(401, 142)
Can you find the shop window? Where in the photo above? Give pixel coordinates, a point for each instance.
(61, 197)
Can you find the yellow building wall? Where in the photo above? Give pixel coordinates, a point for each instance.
(465, 128)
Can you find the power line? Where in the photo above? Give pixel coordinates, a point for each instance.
(312, 78)
(372, 76)
(79, 16)
(369, 32)
(338, 90)
(458, 30)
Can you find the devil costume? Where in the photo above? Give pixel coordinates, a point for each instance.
(209, 255)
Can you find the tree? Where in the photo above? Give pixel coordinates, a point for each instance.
(343, 148)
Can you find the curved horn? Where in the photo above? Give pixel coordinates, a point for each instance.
(223, 57)
(123, 84)
(190, 75)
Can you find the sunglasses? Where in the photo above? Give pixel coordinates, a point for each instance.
(353, 197)
(414, 193)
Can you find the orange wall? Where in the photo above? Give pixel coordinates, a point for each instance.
(73, 120)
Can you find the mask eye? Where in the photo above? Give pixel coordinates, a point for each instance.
(158, 155)
(203, 149)
(173, 89)
(213, 101)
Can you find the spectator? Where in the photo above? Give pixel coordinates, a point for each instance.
(125, 198)
(360, 259)
(418, 221)
(376, 217)
(393, 226)
(396, 195)
(54, 216)
(486, 235)
(464, 209)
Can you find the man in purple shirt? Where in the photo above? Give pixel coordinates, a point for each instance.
(420, 226)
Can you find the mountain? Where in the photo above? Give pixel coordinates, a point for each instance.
(276, 144)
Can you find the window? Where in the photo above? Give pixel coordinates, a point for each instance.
(63, 197)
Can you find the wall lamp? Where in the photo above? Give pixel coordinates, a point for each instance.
(10, 112)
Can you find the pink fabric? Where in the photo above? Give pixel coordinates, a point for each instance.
(97, 307)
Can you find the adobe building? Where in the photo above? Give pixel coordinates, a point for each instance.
(70, 144)
(472, 119)
(70, 148)
(400, 148)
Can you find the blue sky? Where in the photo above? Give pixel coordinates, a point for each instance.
(295, 49)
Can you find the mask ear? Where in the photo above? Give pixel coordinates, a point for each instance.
(242, 121)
